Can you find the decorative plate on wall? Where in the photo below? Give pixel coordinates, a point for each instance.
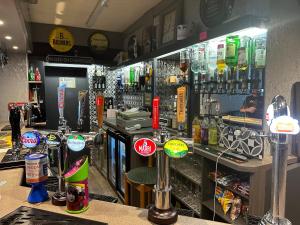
(214, 12)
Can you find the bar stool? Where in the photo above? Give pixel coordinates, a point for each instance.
(143, 180)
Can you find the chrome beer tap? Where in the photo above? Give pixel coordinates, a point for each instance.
(175, 147)
(280, 124)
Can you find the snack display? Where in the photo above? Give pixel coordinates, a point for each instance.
(230, 184)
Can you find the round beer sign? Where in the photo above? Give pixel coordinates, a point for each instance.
(176, 148)
(61, 40)
(76, 143)
(53, 140)
(30, 139)
(145, 147)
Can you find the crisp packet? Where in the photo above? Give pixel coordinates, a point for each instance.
(236, 208)
(226, 200)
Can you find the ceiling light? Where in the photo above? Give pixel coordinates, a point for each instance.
(15, 47)
(1, 22)
(60, 8)
(96, 12)
(8, 37)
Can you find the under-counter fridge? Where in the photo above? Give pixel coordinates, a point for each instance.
(118, 160)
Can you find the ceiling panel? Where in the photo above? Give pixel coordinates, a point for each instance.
(116, 16)
(13, 26)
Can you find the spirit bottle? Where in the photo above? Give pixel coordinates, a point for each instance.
(244, 62)
(184, 62)
(221, 66)
(132, 76)
(212, 68)
(31, 76)
(232, 46)
(259, 62)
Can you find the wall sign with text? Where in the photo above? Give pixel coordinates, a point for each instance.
(61, 40)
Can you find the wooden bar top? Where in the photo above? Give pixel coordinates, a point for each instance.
(13, 196)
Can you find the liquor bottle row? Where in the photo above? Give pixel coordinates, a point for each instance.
(234, 64)
(135, 78)
(99, 79)
(34, 75)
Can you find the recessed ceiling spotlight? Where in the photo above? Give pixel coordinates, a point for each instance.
(8, 37)
(1, 22)
(15, 47)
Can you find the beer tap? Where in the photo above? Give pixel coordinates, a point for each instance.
(280, 125)
(161, 212)
(99, 137)
(167, 147)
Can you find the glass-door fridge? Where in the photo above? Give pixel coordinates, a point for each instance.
(123, 162)
(118, 160)
(111, 157)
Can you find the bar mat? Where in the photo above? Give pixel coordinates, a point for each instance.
(6, 128)
(52, 185)
(10, 157)
(30, 216)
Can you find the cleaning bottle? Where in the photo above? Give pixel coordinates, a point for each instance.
(196, 127)
(212, 132)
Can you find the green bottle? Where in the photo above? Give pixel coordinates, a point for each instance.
(232, 46)
(212, 132)
(132, 76)
(31, 76)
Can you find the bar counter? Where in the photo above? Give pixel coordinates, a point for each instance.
(13, 196)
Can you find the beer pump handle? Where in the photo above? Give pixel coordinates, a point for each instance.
(100, 109)
(155, 113)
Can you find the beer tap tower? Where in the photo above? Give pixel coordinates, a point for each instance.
(162, 212)
(280, 124)
(58, 141)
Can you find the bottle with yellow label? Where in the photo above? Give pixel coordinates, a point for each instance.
(212, 132)
(221, 65)
(196, 127)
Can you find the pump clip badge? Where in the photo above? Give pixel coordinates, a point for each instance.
(53, 140)
(76, 143)
(145, 147)
(176, 148)
(30, 139)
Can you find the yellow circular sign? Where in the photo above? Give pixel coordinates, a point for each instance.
(98, 42)
(176, 148)
(61, 39)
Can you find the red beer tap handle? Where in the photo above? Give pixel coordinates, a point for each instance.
(155, 113)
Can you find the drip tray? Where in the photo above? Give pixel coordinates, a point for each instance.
(30, 216)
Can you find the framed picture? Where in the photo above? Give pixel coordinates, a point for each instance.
(169, 19)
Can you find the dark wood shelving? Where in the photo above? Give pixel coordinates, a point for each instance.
(210, 205)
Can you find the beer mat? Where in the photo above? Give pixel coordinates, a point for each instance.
(26, 215)
(246, 120)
